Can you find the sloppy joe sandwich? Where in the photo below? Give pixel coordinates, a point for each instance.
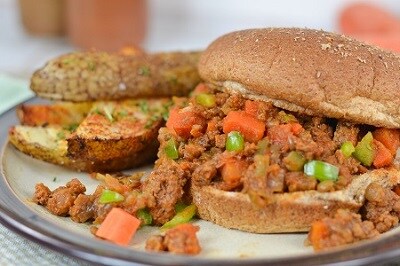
(289, 126)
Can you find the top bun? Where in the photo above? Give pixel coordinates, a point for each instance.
(309, 71)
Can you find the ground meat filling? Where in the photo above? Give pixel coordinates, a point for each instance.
(164, 188)
(380, 213)
(265, 161)
(60, 200)
(382, 207)
(270, 157)
(344, 228)
(71, 200)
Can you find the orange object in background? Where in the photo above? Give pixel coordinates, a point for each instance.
(106, 25)
(372, 24)
(42, 17)
(364, 18)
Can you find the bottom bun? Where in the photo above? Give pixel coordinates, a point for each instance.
(290, 212)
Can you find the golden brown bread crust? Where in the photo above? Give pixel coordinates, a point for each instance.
(115, 153)
(42, 143)
(93, 75)
(96, 137)
(309, 71)
(291, 212)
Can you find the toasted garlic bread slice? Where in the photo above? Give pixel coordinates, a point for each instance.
(122, 132)
(44, 143)
(115, 135)
(66, 114)
(50, 145)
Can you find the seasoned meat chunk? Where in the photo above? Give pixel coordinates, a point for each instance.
(276, 178)
(192, 151)
(179, 240)
(345, 228)
(383, 207)
(164, 187)
(345, 132)
(182, 240)
(322, 134)
(42, 194)
(204, 173)
(155, 243)
(297, 181)
(82, 210)
(62, 198)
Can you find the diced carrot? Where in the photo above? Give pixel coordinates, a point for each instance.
(118, 227)
(367, 18)
(251, 128)
(383, 156)
(232, 170)
(251, 107)
(388, 137)
(181, 122)
(318, 231)
(296, 128)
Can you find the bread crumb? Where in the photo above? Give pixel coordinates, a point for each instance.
(325, 46)
(386, 64)
(361, 60)
(122, 86)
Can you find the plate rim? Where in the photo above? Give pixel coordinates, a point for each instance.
(28, 226)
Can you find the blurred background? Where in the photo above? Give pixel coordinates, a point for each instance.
(34, 31)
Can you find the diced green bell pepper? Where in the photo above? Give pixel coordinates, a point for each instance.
(347, 149)
(171, 150)
(181, 217)
(109, 196)
(321, 170)
(205, 99)
(180, 206)
(364, 151)
(145, 216)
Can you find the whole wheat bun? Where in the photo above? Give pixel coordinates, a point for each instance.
(306, 71)
(310, 71)
(290, 212)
